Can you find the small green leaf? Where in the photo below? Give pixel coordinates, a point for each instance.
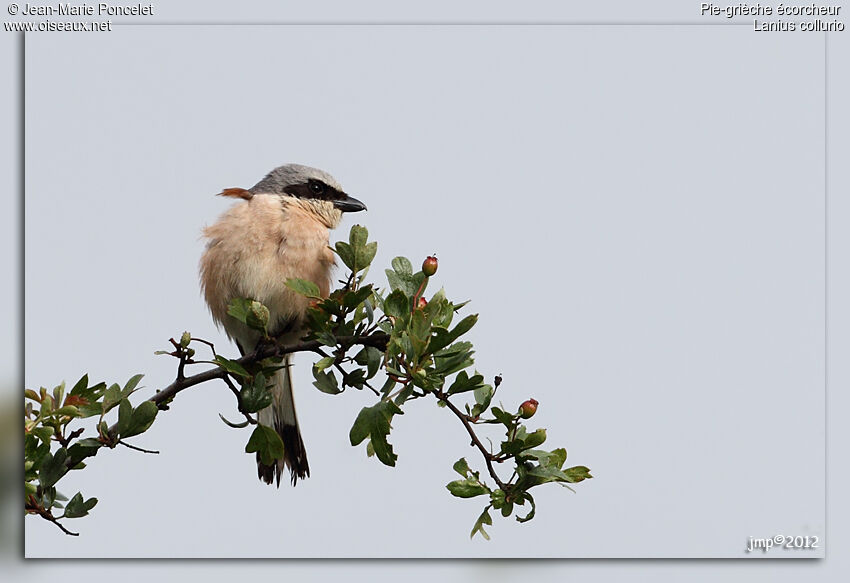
(485, 518)
(463, 382)
(232, 366)
(502, 417)
(43, 433)
(535, 439)
(370, 357)
(111, 397)
(468, 488)
(250, 312)
(77, 508)
(530, 515)
(365, 254)
(53, 467)
(397, 304)
(346, 253)
(461, 467)
(374, 422)
(483, 395)
(125, 413)
(234, 425)
(326, 382)
(444, 338)
(324, 363)
(141, 419)
(577, 473)
(303, 287)
(185, 339)
(84, 448)
(255, 396)
(131, 385)
(402, 266)
(81, 385)
(267, 443)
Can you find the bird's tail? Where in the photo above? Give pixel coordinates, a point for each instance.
(281, 416)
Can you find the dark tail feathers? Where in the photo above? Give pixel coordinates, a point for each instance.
(294, 457)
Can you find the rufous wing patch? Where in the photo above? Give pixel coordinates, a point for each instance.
(237, 193)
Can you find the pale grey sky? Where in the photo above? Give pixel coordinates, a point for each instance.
(657, 192)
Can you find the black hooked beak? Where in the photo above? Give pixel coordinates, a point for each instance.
(349, 204)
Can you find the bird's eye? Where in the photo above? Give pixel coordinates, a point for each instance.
(316, 187)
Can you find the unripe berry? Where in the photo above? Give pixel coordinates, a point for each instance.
(429, 266)
(528, 409)
(422, 303)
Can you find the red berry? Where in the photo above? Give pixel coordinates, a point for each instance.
(528, 409)
(429, 266)
(422, 303)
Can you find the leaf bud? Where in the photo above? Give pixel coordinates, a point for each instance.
(421, 303)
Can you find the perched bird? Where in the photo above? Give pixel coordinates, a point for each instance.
(278, 230)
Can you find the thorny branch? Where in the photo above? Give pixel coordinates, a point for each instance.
(182, 382)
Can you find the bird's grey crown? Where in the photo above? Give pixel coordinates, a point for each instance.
(289, 175)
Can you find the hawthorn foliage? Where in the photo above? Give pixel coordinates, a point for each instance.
(393, 341)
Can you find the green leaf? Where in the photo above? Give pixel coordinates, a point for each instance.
(577, 473)
(461, 467)
(125, 412)
(44, 433)
(250, 312)
(141, 419)
(53, 468)
(266, 442)
(535, 439)
(361, 252)
(397, 304)
(485, 518)
(326, 382)
(468, 488)
(402, 266)
(483, 396)
(232, 424)
(365, 254)
(111, 397)
(401, 277)
(130, 387)
(48, 497)
(303, 287)
(352, 299)
(440, 310)
(530, 515)
(420, 332)
(232, 366)
(464, 382)
(324, 363)
(81, 386)
(67, 410)
(374, 422)
(185, 339)
(258, 317)
(84, 448)
(443, 337)
(447, 364)
(256, 395)
(504, 418)
(550, 459)
(370, 357)
(346, 253)
(77, 508)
